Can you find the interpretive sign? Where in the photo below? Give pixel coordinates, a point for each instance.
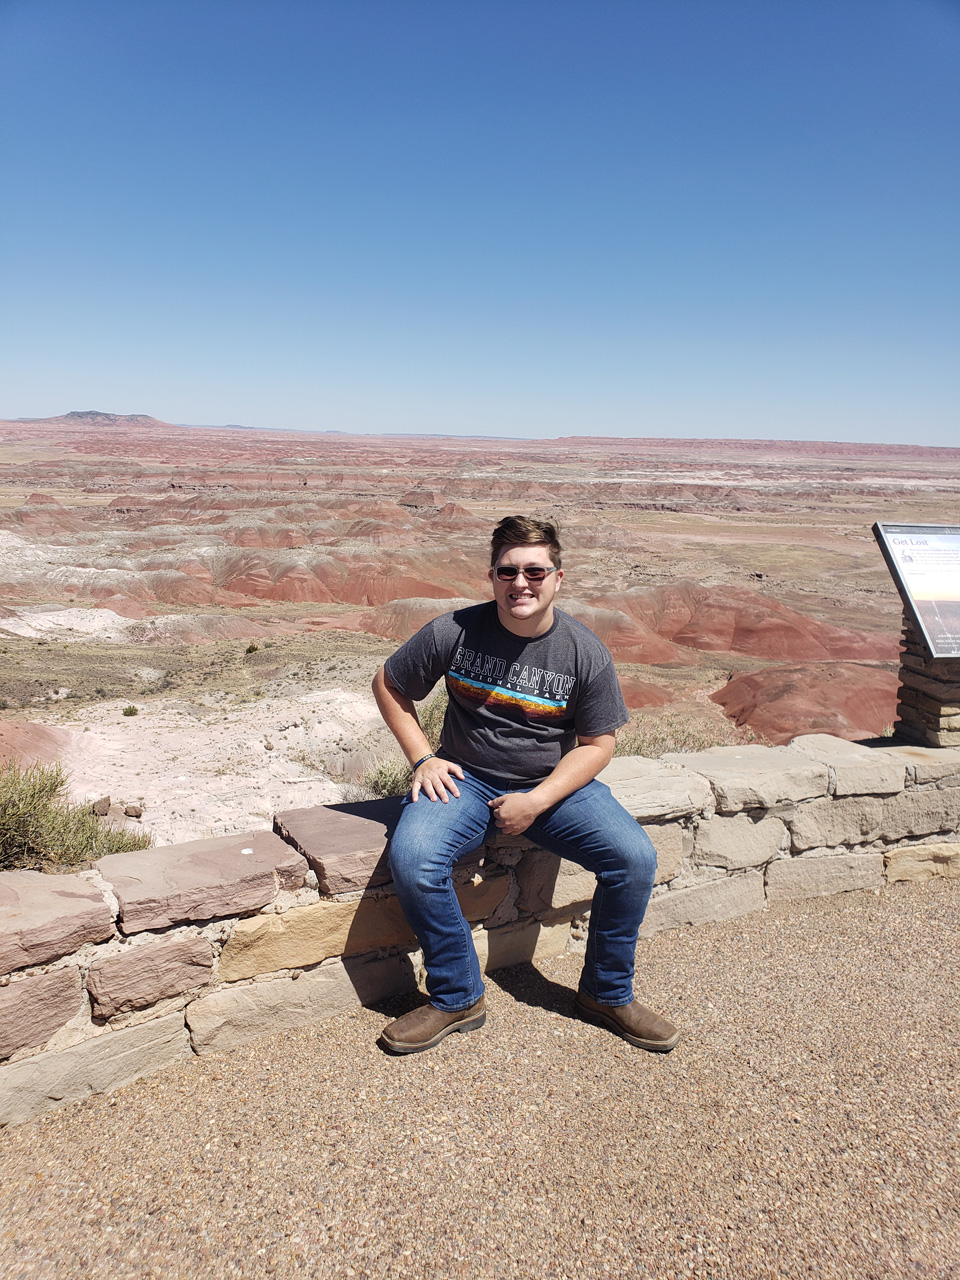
(924, 560)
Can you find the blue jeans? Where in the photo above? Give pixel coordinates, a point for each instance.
(588, 827)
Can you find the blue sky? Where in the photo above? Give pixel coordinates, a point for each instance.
(685, 217)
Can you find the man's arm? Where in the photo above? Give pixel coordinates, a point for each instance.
(435, 777)
(516, 811)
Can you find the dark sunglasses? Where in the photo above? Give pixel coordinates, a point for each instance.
(532, 573)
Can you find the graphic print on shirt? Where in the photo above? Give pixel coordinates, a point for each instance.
(485, 680)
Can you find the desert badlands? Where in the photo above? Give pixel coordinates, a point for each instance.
(238, 588)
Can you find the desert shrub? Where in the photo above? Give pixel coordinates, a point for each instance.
(251, 648)
(39, 827)
(131, 710)
(392, 777)
(654, 736)
(431, 718)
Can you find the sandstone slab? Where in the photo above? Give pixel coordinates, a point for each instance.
(922, 813)
(792, 878)
(652, 789)
(672, 843)
(44, 917)
(942, 690)
(827, 823)
(753, 777)
(237, 1015)
(520, 943)
(34, 1008)
(344, 844)
(921, 861)
(140, 976)
(723, 899)
(859, 771)
(930, 764)
(547, 883)
(34, 1085)
(201, 879)
(306, 936)
(738, 841)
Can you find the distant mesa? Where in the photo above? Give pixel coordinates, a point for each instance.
(98, 418)
(846, 699)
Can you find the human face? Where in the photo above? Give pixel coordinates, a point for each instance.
(526, 608)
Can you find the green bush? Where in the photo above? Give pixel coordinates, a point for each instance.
(40, 828)
(131, 710)
(251, 648)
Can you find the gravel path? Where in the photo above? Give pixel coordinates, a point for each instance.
(806, 1126)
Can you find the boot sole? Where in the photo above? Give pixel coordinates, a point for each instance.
(468, 1024)
(611, 1024)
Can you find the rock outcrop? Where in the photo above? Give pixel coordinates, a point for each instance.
(845, 699)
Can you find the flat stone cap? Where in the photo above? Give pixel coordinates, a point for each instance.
(650, 789)
(43, 917)
(755, 777)
(929, 764)
(344, 844)
(201, 879)
(859, 770)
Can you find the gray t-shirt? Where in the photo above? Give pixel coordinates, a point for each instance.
(516, 704)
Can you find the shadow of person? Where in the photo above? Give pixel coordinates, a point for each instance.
(528, 985)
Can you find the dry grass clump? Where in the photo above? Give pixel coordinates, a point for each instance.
(392, 777)
(655, 736)
(40, 829)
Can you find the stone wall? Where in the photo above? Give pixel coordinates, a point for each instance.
(154, 956)
(929, 708)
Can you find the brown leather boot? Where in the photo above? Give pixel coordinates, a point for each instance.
(634, 1022)
(425, 1027)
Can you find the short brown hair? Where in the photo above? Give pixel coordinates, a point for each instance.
(524, 531)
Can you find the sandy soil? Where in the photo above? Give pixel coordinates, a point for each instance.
(217, 764)
(805, 1128)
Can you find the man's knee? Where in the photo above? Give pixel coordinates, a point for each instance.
(637, 856)
(412, 866)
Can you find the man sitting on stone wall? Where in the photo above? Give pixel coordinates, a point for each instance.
(534, 705)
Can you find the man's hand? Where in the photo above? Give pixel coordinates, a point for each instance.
(515, 812)
(435, 778)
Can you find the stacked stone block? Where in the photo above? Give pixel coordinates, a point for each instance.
(152, 957)
(929, 706)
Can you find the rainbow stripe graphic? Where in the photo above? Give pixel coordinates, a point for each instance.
(493, 695)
